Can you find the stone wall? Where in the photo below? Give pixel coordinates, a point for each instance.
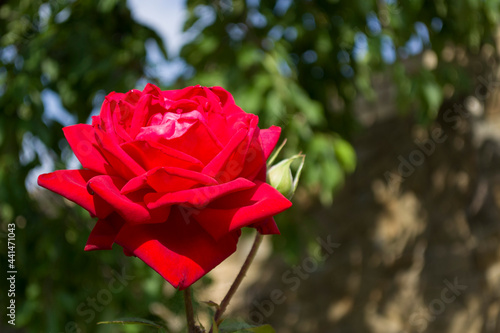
(417, 227)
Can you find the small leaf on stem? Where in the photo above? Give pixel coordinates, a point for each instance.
(212, 304)
(133, 321)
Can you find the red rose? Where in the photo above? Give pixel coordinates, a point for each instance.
(172, 177)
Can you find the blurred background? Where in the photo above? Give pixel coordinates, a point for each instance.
(396, 224)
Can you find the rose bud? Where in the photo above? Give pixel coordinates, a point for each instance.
(280, 175)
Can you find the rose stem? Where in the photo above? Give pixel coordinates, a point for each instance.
(239, 278)
(189, 310)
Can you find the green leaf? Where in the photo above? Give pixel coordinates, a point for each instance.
(345, 154)
(231, 325)
(433, 96)
(106, 6)
(262, 329)
(234, 326)
(132, 321)
(212, 303)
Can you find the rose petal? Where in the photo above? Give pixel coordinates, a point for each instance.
(267, 227)
(81, 139)
(151, 89)
(240, 209)
(132, 96)
(181, 105)
(225, 97)
(151, 155)
(262, 174)
(133, 212)
(138, 183)
(114, 96)
(254, 159)
(198, 197)
(258, 153)
(170, 179)
(218, 124)
(242, 120)
(141, 113)
(122, 117)
(268, 139)
(169, 125)
(227, 102)
(167, 179)
(185, 93)
(117, 157)
(220, 163)
(106, 115)
(72, 184)
(230, 163)
(189, 143)
(221, 106)
(208, 102)
(104, 233)
(180, 252)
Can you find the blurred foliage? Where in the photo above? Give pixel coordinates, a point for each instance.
(80, 51)
(297, 64)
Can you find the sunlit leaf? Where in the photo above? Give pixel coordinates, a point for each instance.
(131, 321)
